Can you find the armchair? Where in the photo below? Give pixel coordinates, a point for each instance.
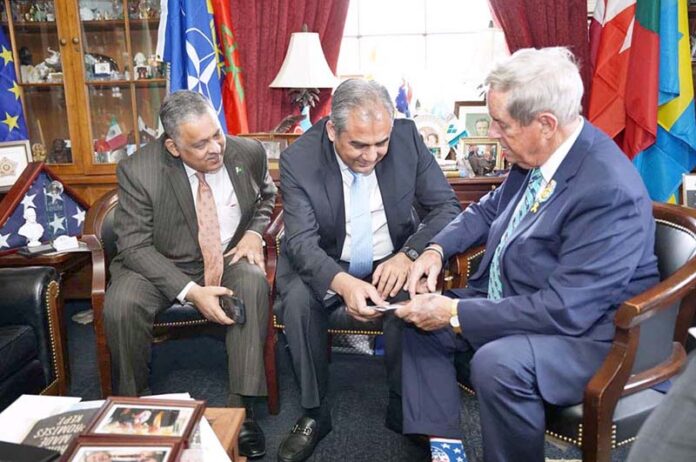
(648, 347)
(174, 322)
(30, 359)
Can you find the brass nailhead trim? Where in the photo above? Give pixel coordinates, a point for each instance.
(467, 389)
(468, 262)
(52, 293)
(182, 323)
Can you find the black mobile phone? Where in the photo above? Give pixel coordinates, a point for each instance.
(234, 308)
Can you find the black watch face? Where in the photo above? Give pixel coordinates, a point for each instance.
(412, 253)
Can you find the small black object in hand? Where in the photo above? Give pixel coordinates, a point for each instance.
(234, 308)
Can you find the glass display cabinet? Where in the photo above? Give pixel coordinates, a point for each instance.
(91, 82)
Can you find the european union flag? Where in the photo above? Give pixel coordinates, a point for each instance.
(57, 213)
(12, 123)
(192, 52)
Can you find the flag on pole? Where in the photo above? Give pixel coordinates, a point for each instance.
(12, 124)
(674, 151)
(624, 41)
(233, 83)
(191, 50)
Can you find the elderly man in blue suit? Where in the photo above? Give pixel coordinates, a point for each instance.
(569, 236)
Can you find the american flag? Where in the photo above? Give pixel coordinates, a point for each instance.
(58, 213)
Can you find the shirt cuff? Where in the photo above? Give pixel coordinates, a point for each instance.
(182, 295)
(437, 249)
(258, 234)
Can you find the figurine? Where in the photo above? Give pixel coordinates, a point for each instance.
(38, 152)
(31, 229)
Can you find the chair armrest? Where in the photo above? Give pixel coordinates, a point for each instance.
(461, 266)
(29, 296)
(272, 237)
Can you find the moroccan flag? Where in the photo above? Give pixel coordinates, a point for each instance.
(674, 151)
(191, 50)
(12, 124)
(233, 84)
(624, 42)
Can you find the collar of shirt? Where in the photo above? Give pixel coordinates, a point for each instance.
(191, 174)
(548, 170)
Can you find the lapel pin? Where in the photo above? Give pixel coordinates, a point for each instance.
(544, 196)
(239, 170)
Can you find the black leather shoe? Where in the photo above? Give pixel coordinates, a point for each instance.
(302, 440)
(252, 442)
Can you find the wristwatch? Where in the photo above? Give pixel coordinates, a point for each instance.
(410, 252)
(454, 319)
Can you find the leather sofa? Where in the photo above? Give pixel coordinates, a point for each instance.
(31, 360)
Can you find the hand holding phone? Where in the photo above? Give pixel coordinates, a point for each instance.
(234, 308)
(385, 308)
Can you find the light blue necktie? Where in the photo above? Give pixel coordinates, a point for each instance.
(495, 285)
(360, 228)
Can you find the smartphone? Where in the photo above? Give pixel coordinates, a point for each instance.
(384, 308)
(234, 308)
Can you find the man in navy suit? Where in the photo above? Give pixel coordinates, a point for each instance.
(351, 233)
(569, 236)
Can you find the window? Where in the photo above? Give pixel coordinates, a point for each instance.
(442, 48)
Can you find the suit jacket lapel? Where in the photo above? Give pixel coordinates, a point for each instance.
(333, 184)
(182, 191)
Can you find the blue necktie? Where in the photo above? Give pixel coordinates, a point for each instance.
(360, 228)
(495, 285)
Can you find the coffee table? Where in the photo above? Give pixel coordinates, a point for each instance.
(226, 422)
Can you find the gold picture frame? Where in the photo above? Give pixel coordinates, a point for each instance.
(483, 156)
(14, 158)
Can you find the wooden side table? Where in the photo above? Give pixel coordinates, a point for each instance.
(67, 264)
(226, 423)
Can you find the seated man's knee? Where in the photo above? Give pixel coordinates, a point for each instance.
(119, 307)
(501, 365)
(253, 273)
(297, 302)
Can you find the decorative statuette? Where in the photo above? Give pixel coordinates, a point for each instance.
(31, 229)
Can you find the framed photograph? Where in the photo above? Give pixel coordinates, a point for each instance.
(142, 417)
(482, 156)
(14, 158)
(84, 449)
(475, 116)
(273, 143)
(689, 189)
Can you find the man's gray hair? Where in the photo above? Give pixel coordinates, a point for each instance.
(544, 80)
(357, 93)
(180, 107)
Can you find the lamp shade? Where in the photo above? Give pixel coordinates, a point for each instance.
(305, 65)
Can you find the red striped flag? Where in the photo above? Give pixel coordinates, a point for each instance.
(233, 85)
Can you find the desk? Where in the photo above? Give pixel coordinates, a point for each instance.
(226, 422)
(67, 264)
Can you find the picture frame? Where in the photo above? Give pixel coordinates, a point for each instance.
(473, 114)
(143, 418)
(689, 190)
(482, 156)
(85, 449)
(273, 143)
(14, 158)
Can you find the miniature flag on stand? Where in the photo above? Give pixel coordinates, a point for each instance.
(115, 137)
(12, 124)
(188, 45)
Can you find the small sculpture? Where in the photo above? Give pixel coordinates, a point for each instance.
(31, 230)
(38, 152)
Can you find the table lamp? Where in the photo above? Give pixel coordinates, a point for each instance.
(304, 71)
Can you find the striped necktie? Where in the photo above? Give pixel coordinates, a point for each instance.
(495, 285)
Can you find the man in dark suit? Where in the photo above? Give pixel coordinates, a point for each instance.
(569, 236)
(192, 206)
(351, 232)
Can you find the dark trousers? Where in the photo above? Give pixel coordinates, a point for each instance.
(504, 377)
(132, 303)
(306, 321)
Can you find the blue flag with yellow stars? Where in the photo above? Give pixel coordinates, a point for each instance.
(12, 123)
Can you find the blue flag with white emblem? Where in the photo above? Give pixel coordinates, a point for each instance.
(12, 124)
(192, 52)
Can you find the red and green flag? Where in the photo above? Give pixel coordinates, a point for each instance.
(233, 84)
(625, 44)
